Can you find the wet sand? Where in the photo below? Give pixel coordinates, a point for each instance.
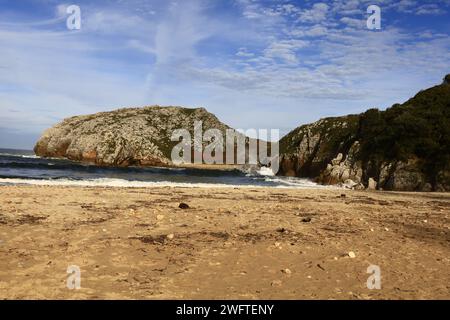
(232, 243)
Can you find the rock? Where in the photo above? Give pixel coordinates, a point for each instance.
(124, 137)
(170, 236)
(349, 184)
(337, 160)
(372, 185)
(351, 254)
(345, 175)
(282, 230)
(286, 271)
(306, 220)
(276, 283)
(160, 217)
(183, 206)
(359, 186)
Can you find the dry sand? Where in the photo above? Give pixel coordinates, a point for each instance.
(231, 243)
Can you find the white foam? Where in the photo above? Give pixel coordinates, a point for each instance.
(31, 156)
(265, 171)
(109, 182)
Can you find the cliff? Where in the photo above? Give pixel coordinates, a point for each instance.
(406, 147)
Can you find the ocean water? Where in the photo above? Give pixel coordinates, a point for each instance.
(23, 167)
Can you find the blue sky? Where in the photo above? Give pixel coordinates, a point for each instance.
(254, 63)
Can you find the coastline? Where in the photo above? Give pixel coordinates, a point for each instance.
(232, 243)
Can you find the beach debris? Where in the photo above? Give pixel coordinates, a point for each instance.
(159, 217)
(170, 236)
(306, 220)
(183, 206)
(351, 254)
(286, 271)
(320, 267)
(387, 229)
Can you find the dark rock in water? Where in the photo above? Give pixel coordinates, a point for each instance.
(183, 206)
(306, 220)
(405, 147)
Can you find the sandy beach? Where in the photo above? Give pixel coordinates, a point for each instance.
(232, 243)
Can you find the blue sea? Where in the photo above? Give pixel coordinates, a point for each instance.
(24, 167)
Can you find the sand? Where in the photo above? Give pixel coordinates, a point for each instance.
(262, 243)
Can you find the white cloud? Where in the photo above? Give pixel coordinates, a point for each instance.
(316, 14)
(285, 50)
(429, 9)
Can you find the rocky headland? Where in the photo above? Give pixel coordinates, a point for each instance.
(406, 147)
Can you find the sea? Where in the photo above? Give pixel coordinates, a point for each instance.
(24, 167)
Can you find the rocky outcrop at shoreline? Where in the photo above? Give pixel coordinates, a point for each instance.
(124, 137)
(406, 147)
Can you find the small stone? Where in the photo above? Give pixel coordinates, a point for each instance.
(425, 221)
(282, 230)
(159, 217)
(335, 258)
(351, 254)
(183, 206)
(170, 236)
(306, 220)
(343, 195)
(286, 271)
(387, 229)
(371, 229)
(372, 184)
(276, 283)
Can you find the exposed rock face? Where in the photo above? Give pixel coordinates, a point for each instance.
(307, 150)
(135, 136)
(406, 147)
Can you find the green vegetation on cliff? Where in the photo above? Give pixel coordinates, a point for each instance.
(417, 131)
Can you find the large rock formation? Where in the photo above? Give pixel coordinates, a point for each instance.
(133, 136)
(406, 147)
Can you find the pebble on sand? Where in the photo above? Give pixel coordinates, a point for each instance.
(170, 236)
(276, 283)
(307, 219)
(286, 271)
(351, 254)
(159, 217)
(183, 206)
